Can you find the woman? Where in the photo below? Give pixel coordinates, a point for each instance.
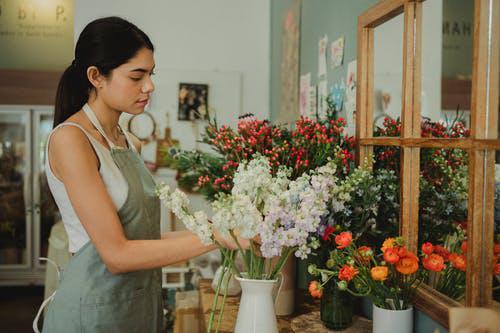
(105, 193)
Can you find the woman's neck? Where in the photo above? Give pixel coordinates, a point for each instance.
(108, 118)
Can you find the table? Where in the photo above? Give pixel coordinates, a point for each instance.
(305, 309)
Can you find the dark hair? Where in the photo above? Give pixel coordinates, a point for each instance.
(105, 43)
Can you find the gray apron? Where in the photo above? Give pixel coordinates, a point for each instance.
(91, 299)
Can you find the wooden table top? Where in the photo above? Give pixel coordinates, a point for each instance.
(304, 319)
(303, 304)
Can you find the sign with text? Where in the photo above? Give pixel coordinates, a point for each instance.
(36, 34)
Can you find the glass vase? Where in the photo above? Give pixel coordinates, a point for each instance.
(336, 307)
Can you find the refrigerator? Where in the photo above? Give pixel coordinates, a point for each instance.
(27, 210)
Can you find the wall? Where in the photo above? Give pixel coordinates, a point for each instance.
(336, 19)
(217, 39)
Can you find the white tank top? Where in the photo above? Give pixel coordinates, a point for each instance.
(112, 177)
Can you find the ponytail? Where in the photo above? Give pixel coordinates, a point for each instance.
(72, 93)
(105, 43)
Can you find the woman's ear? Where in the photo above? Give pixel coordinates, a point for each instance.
(94, 76)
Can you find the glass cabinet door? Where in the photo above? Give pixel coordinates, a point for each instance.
(45, 209)
(15, 189)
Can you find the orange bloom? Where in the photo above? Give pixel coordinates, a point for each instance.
(343, 240)
(458, 261)
(497, 269)
(408, 264)
(434, 262)
(388, 244)
(315, 289)
(427, 248)
(391, 256)
(442, 251)
(464, 247)
(347, 273)
(365, 254)
(379, 273)
(496, 249)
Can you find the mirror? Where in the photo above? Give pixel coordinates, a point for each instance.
(388, 76)
(446, 62)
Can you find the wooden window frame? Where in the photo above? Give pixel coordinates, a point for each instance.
(481, 144)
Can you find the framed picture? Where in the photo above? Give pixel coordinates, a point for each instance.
(193, 101)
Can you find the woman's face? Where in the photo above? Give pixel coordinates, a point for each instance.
(129, 86)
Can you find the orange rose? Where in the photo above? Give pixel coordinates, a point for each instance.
(496, 248)
(408, 264)
(343, 240)
(388, 244)
(315, 289)
(379, 273)
(347, 273)
(434, 262)
(458, 261)
(391, 256)
(427, 248)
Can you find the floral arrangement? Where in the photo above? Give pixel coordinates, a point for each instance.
(390, 278)
(282, 213)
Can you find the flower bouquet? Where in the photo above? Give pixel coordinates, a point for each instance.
(281, 213)
(389, 279)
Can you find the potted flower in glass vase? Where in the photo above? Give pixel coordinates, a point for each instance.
(353, 208)
(389, 279)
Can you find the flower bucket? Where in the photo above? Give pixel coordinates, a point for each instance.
(392, 321)
(256, 312)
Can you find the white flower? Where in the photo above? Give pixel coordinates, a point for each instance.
(178, 202)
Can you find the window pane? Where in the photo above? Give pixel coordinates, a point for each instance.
(387, 73)
(443, 218)
(496, 235)
(386, 171)
(447, 34)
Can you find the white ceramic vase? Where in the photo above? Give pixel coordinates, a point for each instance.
(392, 321)
(256, 312)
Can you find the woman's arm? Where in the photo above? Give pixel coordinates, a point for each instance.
(77, 166)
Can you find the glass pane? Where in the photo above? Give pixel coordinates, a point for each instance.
(13, 166)
(386, 171)
(496, 236)
(47, 207)
(387, 74)
(447, 33)
(443, 218)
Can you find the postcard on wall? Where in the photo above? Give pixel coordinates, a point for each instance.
(337, 95)
(350, 94)
(304, 103)
(337, 52)
(313, 102)
(322, 96)
(322, 45)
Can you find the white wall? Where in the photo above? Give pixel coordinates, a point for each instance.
(230, 37)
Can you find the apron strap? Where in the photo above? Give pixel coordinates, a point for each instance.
(129, 141)
(50, 298)
(93, 119)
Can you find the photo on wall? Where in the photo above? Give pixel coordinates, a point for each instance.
(193, 101)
